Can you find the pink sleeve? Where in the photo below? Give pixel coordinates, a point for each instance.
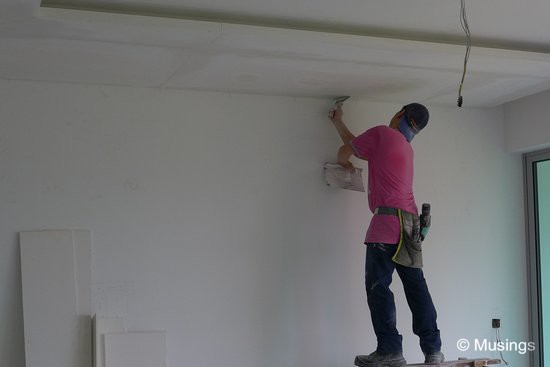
(365, 144)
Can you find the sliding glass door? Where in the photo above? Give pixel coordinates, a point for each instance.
(537, 180)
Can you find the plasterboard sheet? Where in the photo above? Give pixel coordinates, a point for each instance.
(102, 326)
(113, 64)
(55, 268)
(136, 349)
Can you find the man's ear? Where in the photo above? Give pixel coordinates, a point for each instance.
(394, 123)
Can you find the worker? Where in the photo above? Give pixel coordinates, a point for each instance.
(389, 154)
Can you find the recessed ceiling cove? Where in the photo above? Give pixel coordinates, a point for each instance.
(390, 51)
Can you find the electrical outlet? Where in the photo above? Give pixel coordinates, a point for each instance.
(495, 323)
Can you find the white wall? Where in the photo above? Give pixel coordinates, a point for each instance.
(527, 123)
(210, 220)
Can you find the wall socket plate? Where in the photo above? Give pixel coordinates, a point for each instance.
(495, 323)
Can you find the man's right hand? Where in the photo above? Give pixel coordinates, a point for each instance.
(336, 112)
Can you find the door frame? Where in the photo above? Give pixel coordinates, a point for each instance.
(533, 254)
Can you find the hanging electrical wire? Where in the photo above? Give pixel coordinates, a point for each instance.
(466, 28)
(499, 341)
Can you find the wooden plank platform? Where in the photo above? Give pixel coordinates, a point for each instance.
(478, 362)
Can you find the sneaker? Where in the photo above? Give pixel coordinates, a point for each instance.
(434, 358)
(377, 359)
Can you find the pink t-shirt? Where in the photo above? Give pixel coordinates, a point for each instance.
(390, 170)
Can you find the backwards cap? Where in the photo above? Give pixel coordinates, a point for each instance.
(414, 119)
(417, 116)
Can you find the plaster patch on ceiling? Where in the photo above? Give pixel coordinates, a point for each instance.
(247, 78)
(313, 82)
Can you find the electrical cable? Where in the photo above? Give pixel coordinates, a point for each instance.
(466, 28)
(499, 341)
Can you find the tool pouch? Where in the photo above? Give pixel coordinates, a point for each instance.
(409, 249)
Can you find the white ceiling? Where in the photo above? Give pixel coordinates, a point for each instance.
(391, 51)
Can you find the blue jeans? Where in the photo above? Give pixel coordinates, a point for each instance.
(378, 276)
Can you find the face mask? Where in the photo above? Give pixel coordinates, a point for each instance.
(405, 129)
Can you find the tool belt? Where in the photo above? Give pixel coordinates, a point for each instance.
(409, 248)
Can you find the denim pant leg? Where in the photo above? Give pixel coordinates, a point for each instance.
(378, 277)
(423, 310)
